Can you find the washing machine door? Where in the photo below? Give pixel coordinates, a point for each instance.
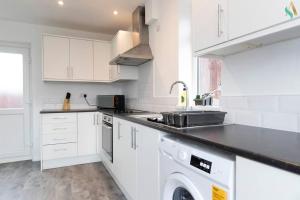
(179, 187)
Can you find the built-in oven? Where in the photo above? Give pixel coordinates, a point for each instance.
(107, 136)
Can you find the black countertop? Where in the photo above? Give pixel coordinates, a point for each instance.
(49, 111)
(273, 147)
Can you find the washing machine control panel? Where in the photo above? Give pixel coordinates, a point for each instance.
(201, 164)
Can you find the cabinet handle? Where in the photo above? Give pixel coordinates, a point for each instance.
(68, 73)
(59, 139)
(57, 150)
(134, 144)
(132, 138)
(59, 129)
(94, 120)
(220, 23)
(59, 118)
(119, 134)
(97, 119)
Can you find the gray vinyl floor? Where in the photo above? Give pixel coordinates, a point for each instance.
(25, 181)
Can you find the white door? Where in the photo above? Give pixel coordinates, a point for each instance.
(102, 57)
(249, 16)
(81, 59)
(209, 22)
(56, 57)
(15, 142)
(87, 134)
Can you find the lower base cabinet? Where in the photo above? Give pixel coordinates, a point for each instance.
(70, 139)
(258, 181)
(136, 159)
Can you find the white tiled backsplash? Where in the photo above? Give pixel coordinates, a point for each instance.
(275, 112)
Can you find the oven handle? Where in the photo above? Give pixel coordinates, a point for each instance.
(106, 126)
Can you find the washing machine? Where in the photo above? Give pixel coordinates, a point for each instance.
(192, 171)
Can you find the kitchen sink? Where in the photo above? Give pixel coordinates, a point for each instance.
(146, 116)
(184, 119)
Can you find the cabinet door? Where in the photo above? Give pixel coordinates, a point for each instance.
(102, 57)
(87, 134)
(250, 16)
(125, 156)
(147, 161)
(56, 58)
(209, 22)
(99, 133)
(81, 59)
(130, 160)
(114, 72)
(119, 147)
(260, 182)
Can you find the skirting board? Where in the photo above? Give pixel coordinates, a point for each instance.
(14, 159)
(64, 162)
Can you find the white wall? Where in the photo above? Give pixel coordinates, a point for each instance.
(261, 87)
(45, 94)
(170, 41)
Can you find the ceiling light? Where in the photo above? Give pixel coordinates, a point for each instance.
(116, 12)
(61, 3)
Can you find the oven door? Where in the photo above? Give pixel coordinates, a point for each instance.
(107, 140)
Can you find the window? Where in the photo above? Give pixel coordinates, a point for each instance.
(11, 80)
(209, 81)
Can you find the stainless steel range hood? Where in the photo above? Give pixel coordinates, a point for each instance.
(141, 51)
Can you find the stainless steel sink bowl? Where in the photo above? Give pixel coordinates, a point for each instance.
(182, 119)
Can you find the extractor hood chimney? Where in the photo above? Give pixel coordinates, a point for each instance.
(141, 51)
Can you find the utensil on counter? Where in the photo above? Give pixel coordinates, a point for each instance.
(67, 104)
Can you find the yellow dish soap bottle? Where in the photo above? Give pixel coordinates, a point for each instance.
(182, 99)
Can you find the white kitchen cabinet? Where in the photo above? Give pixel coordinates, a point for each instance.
(246, 17)
(78, 60)
(242, 25)
(122, 72)
(147, 163)
(209, 22)
(258, 181)
(99, 133)
(136, 159)
(56, 58)
(87, 133)
(151, 11)
(81, 59)
(121, 43)
(70, 139)
(102, 56)
(124, 158)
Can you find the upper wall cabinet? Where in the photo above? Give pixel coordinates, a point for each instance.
(81, 59)
(226, 27)
(102, 55)
(56, 58)
(209, 23)
(71, 59)
(246, 17)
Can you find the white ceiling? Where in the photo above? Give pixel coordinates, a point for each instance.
(88, 15)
